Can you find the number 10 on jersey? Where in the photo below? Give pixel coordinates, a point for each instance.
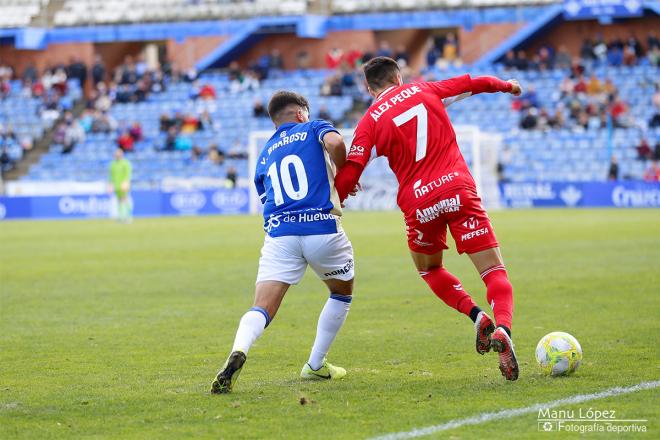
(283, 179)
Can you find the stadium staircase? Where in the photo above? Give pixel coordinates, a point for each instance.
(41, 146)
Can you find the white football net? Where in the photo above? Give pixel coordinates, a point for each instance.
(480, 150)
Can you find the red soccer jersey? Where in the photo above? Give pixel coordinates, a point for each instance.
(409, 125)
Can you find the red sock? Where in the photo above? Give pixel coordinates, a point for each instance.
(499, 294)
(449, 289)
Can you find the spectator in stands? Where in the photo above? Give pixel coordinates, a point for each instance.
(545, 60)
(102, 100)
(619, 112)
(86, 120)
(103, 123)
(629, 56)
(302, 60)
(125, 141)
(354, 57)
(237, 150)
(77, 70)
(30, 74)
(529, 98)
(216, 155)
(652, 173)
(73, 133)
(557, 121)
(653, 56)
(170, 140)
(50, 106)
(140, 92)
(183, 142)
(5, 160)
(324, 113)
(401, 56)
(334, 58)
(332, 86)
(613, 171)
(600, 49)
(126, 73)
(652, 41)
(580, 85)
(655, 119)
(450, 50)
(207, 91)
(644, 151)
(140, 66)
(98, 70)
(510, 61)
(276, 61)
(206, 122)
(136, 131)
(190, 124)
(258, 109)
(587, 49)
(633, 43)
(562, 58)
(615, 55)
(577, 67)
(166, 122)
(5, 88)
(566, 87)
(232, 177)
(522, 63)
(529, 120)
(244, 82)
(433, 53)
(384, 50)
(594, 86)
(196, 153)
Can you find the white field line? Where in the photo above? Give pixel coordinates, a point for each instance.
(509, 413)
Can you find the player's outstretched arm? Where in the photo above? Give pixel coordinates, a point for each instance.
(334, 144)
(455, 89)
(491, 84)
(346, 181)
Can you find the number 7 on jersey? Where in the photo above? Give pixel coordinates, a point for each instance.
(419, 112)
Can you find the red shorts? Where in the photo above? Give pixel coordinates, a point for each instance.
(462, 211)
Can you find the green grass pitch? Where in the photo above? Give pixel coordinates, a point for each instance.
(115, 331)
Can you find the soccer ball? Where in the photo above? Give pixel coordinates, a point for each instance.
(558, 354)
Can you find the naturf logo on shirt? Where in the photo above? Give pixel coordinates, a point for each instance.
(421, 190)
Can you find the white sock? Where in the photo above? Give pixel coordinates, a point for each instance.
(252, 325)
(331, 319)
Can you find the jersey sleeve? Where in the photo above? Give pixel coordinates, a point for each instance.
(363, 141)
(322, 127)
(259, 185)
(451, 87)
(461, 87)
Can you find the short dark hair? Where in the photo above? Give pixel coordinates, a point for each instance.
(380, 72)
(283, 99)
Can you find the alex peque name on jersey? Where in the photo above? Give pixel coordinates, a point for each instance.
(389, 103)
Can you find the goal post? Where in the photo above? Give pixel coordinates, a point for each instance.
(479, 148)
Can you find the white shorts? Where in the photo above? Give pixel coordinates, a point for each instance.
(286, 258)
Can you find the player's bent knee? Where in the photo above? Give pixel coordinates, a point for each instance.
(340, 287)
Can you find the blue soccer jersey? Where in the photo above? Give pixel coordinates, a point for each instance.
(295, 181)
